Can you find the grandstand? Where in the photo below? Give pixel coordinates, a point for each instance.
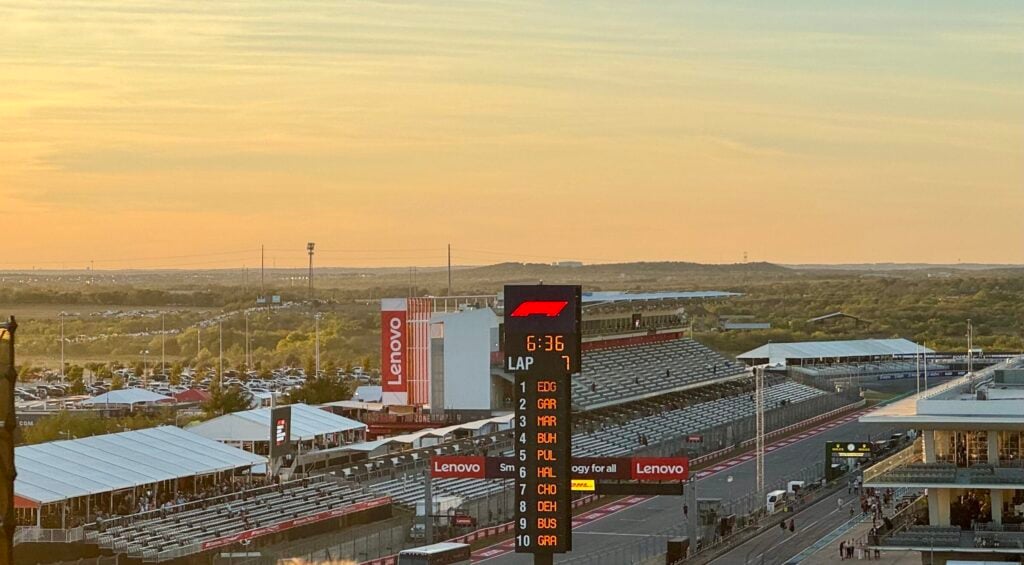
(409, 490)
(622, 439)
(882, 370)
(196, 527)
(628, 373)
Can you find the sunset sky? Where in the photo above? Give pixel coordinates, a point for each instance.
(188, 133)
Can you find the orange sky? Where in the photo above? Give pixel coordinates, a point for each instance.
(185, 134)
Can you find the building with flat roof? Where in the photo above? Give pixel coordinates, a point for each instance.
(969, 458)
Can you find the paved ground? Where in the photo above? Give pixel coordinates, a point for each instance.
(776, 545)
(829, 554)
(603, 534)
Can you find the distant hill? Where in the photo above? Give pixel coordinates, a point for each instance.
(909, 267)
(663, 268)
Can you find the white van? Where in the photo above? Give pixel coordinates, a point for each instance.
(775, 500)
(794, 487)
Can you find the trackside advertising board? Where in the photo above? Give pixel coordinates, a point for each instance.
(594, 468)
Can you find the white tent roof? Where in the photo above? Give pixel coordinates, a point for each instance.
(61, 470)
(413, 437)
(356, 405)
(254, 425)
(368, 393)
(127, 396)
(779, 352)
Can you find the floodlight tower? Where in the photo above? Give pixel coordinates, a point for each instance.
(309, 249)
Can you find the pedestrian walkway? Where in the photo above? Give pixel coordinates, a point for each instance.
(828, 552)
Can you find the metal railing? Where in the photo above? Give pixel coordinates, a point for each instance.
(25, 534)
(912, 454)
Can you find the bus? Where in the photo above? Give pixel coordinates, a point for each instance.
(437, 554)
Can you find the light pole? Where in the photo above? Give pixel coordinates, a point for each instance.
(316, 344)
(970, 346)
(145, 367)
(248, 358)
(309, 248)
(220, 353)
(62, 314)
(163, 337)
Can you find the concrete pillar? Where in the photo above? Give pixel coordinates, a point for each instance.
(938, 506)
(929, 446)
(996, 497)
(993, 446)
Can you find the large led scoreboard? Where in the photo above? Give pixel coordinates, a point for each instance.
(542, 348)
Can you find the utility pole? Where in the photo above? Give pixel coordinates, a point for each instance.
(8, 376)
(163, 349)
(449, 269)
(62, 345)
(262, 264)
(970, 346)
(309, 248)
(759, 409)
(248, 360)
(316, 344)
(145, 367)
(220, 354)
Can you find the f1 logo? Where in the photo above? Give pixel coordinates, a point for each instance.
(281, 433)
(548, 308)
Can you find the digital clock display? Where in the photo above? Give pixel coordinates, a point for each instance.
(542, 350)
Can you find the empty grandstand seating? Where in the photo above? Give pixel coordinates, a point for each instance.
(612, 376)
(408, 491)
(616, 440)
(926, 536)
(607, 438)
(158, 536)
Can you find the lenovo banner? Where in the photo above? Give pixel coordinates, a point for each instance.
(660, 468)
(601, 468)
(597, 468)
(458, 467)
(394, 351)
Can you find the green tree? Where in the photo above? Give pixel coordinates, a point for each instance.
(74, 372)
(327, 388)
(27, 373)
(310, 367)
(116, 382)
(175, 376)
(225, 400)
(77, 384)
(104, 373)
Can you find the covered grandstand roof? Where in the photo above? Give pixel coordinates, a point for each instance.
(254, 425)
(502, 422)
(127, 396)
(618, 296)
(61, 470)
(780, 352)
